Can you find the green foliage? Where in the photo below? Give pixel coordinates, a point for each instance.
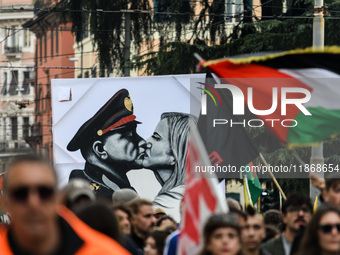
(107, 27)
(272, 35)
(295, 185)
(332, 25)
(169, 59)
(173, 20)
(279, 34)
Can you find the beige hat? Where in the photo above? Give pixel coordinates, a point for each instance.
(77, 188)
(124, 195)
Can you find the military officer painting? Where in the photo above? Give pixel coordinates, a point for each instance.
(110, 145)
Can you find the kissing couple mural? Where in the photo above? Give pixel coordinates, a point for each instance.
(134, 139)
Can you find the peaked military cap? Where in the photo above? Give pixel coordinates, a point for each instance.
(113, 115)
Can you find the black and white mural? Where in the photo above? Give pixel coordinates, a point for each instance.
(125, 133)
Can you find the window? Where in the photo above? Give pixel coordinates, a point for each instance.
(39, 102)
(14, 124)
(56, 41)
(12, 42)
(27, 38)
(26, 126)
(85, 18)
(45, 48)
(7, 32)
(40, 50)
(4, 126)
(169, 6)
(25, 84)
(218, 8)
(13, 86)
(13, 37)
(94, 72)
(4, 85)
(47, 98)
(52, 34)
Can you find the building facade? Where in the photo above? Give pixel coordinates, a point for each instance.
(53, 50)
(16, 74)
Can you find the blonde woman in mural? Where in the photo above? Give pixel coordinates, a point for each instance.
(166, 155)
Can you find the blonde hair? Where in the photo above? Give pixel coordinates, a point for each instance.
(178, 137)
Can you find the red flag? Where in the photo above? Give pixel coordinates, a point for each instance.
(202, 197)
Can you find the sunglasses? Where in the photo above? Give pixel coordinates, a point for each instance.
(21, 194)
(327, 228)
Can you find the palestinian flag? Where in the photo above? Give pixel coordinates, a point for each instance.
(316, 71)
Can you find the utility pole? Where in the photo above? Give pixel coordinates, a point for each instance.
(318, 43)
(318, 25)
(127, 14)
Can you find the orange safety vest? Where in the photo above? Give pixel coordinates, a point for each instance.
(95, 243)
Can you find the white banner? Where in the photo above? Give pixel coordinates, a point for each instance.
(86, 112)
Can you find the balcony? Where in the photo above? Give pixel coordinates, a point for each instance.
(13, 145)
(14, 49)
(12, 52)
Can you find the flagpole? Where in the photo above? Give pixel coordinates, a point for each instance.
(198, 57)
(318, 43)
(318, 25)
(200, 60)
(273, 177)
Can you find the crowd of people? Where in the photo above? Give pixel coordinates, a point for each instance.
(41, 220)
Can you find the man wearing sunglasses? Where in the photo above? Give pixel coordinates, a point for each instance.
(30, 197)
(296, 213)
